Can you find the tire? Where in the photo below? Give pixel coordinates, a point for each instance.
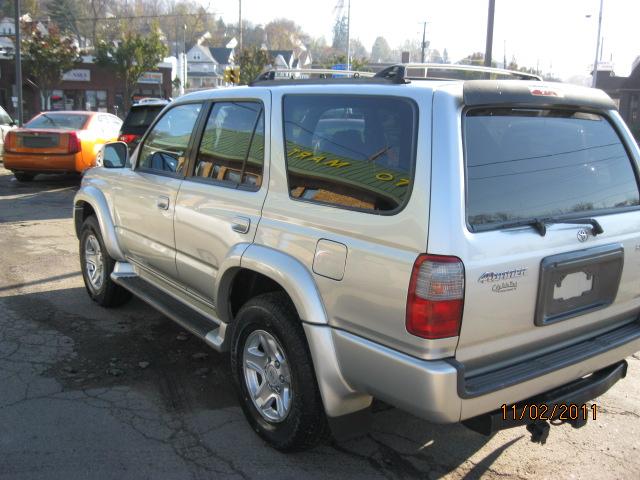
(100, 287)
(24, 177)
(304, 424)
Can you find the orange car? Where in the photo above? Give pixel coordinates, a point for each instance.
(57, 142)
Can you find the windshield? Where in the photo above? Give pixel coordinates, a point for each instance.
(63, 121)
(524, 164)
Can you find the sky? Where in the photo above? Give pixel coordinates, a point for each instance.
(554, 35)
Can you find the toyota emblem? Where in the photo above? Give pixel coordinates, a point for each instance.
(583, 235)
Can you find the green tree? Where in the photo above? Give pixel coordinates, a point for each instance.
(252, 61)
(133, 55)
(63, 13)
(340, 34)
(358, 50)
(445, 56)
(380, 50)
(282, 34)
(46, 58)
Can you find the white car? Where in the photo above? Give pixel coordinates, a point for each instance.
(6, 124)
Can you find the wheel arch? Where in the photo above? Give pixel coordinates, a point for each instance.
(294, 279)
(91, 201)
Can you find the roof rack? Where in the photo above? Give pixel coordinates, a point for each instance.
(404, 72)
(309, 74)
(303, 73)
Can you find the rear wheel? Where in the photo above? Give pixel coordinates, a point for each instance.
(97, 266)
(24, 177)
(274, 376)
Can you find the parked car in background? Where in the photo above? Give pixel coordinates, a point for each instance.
(59, 142)
(6, 124)
(141, 115)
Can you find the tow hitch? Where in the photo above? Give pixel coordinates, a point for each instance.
(578, 392)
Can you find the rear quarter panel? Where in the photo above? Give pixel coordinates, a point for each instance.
(370, 300)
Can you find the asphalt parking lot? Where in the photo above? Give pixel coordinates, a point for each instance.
(115, 394)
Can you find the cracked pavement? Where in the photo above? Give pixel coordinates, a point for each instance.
(115, 394)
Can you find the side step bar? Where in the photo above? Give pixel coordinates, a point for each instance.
(207, 328)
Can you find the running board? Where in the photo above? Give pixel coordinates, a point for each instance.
(207, 328)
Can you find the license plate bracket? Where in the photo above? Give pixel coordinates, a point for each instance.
(596, 270)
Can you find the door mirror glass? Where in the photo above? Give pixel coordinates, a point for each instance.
(114, 155)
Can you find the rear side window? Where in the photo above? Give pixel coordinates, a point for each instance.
(232, 146)
(350, 151)
(526, 164)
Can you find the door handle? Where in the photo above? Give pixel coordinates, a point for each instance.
(240, 224)
(162, 203)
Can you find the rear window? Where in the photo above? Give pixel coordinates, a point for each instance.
(525, 164)
(142, 116)
(63, 121)
(354, 152)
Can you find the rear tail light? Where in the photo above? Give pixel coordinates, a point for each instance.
(128, 137)
(10, 142)
(73, 145)
(436, 297)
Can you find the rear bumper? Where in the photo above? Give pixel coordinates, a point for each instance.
(430, 388)
(43, 163)
(575, 393)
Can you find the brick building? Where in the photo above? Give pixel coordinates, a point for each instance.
(625, 91)
(86, 87)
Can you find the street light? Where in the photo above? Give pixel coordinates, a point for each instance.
(595, 62)
(18, 59)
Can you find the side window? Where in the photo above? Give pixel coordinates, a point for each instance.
(232, 146)
(350, 151)
(165, 147)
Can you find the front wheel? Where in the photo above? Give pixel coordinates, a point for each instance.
(97, 266)
(274, 375)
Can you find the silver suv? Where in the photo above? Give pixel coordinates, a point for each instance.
(460, 249)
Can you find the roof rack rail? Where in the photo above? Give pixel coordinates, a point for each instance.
(404, 72)
(309, 73)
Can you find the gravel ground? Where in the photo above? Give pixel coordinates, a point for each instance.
(125, 393)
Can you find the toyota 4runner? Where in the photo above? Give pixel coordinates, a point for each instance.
(449, 247)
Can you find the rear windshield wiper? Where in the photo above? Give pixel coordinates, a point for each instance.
(540, 224)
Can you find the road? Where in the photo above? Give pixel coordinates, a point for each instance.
(125, 394)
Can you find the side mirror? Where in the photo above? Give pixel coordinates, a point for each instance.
(113, 155)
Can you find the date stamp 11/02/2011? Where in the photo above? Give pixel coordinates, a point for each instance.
(543, 411)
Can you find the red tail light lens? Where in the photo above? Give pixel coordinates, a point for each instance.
(128, 137)
(10, 142)
(73, 146)
(436, 297)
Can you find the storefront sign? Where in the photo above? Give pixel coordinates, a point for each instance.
(77, 75)
(151, 77)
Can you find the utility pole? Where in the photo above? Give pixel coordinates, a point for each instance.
(240, 24)
(18, 59)
(424, 39)
(595, 62)
(349, 35)
(489, 47)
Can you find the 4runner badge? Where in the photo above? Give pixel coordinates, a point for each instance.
(491, 277)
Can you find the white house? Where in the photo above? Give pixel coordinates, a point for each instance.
(205, 66)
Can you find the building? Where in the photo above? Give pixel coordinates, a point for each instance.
(205, 66)
(625, 91)
(86, 87)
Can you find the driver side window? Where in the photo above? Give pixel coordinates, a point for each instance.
(165, 147)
